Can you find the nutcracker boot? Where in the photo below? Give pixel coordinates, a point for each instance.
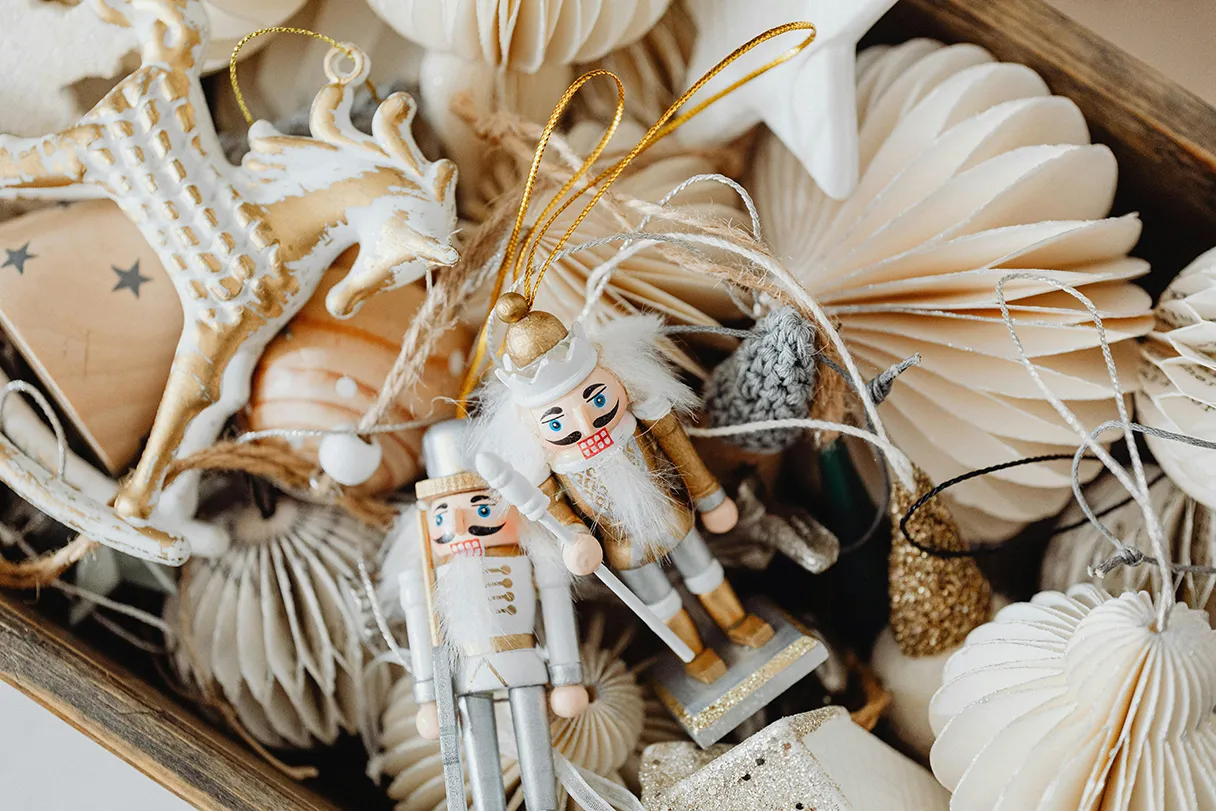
(651, 585)
(704, 577)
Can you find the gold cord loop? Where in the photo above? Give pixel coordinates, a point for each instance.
(349, 50)
(514, 255)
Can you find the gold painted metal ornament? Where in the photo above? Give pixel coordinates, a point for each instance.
(244, 246)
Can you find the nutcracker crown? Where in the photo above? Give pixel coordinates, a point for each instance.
(543, 361)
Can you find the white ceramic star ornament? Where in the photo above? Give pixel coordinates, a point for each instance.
(810, 102)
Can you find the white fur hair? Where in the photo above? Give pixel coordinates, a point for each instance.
(403, 552)
(463, 604)
(629, 348)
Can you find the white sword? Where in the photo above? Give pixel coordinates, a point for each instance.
(534, 504)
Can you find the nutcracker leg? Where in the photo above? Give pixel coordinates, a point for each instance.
(481, 753)
(704, 577)
(651, 585)
(531, 719)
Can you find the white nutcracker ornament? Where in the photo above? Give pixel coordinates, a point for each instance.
(596, 427)
(482, 581)
(244, 246)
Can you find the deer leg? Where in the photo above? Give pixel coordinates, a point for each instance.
(44, 166)
(194, 385)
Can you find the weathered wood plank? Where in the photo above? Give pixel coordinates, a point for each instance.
(1163, 136)
(138, 723)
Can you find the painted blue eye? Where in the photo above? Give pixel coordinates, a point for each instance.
(599, 401)
(555, 425)
(439, 520)
(483, 511)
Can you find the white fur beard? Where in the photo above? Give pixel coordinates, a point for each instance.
(639, 500)
(463, 603)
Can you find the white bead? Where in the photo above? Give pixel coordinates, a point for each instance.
(349, 460)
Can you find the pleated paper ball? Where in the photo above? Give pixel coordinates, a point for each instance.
(1178, 378)
(1080, 701)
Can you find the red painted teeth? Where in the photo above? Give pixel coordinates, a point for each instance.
(598, 442)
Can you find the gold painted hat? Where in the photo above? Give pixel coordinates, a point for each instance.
(444, 449)
(543, 361)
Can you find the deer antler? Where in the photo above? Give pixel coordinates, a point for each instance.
(170, 31)
(391, 128)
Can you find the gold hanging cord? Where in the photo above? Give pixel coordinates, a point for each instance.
(284, 29)
(514, 256)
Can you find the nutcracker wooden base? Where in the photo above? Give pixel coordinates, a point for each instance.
(754, 676)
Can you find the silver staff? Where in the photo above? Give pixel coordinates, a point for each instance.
(534, 504)
(449, 730)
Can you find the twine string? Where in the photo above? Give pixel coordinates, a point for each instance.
(600, 276)
(1138, 488)
(668, 123)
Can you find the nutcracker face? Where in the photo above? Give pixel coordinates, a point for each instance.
(579, 425)
(469, 523)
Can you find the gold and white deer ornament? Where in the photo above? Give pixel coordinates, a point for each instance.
(245, 246)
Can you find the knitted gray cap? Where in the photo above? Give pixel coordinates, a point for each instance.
(771, 376)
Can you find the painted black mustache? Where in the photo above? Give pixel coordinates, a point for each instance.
(598, 422)
(568, 439)
(475, 529)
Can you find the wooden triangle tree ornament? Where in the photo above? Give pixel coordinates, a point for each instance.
(85, 300)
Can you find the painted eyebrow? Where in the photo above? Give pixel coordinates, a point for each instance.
(590, 390)
(553, 412)
(476, 499)
(442, 506)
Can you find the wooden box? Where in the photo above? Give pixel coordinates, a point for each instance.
(1165, 141)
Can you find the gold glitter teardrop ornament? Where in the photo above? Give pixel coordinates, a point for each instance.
(935, 601)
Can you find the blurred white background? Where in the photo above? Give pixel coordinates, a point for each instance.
(47, 765)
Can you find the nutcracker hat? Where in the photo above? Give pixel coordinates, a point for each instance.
(444, 448)
(543, 361)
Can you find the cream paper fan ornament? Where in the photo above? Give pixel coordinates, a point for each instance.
(652, 69)
(275, 623)
(970, 170)
(1078, 701)
(522, 34)
(1189, 527)
(1178, 378)
(647, 280)
(512, 55)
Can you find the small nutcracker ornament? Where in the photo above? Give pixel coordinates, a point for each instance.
(482, 581)
(598, 424)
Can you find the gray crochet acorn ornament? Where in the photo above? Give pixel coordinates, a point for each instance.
(771, 376)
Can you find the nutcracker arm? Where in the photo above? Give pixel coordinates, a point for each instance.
(702, 485)
(561, 629)
(418, 625)
(559, 507)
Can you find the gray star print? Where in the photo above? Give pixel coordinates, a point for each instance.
(18, 258)
(129, 279)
